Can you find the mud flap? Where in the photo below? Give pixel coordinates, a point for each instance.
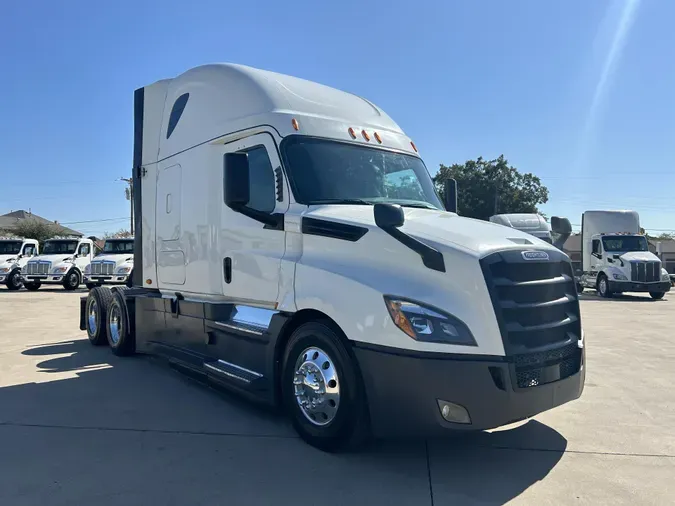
(83, 310)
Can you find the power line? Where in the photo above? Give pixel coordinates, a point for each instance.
(93, 221)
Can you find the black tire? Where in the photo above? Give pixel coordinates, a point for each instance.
(96, 312)
(120, 333)
(71, 281)
(603, 286)
(657, 295)
(13, 282)
(580, 288)
(32, 287)
(349, 427)
(130, 280)
(91, 286)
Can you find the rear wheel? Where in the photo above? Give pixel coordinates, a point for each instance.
(657, 295)
(580, 288)
(603, 286)
(32, 286)
(120, 335)
(91, 286)
(71, 281)
(98, 303)
(13, 281)
(130, 280)
(322, 389)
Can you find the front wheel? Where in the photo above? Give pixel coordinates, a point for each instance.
(322, 389)
(13, 281)
(71, 281)
(603, 286)
(32, 287)
(657, 295)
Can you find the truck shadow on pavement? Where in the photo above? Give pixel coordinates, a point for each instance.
(167, 439)
(593, 297)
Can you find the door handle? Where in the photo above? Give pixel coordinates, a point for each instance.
(227, 269)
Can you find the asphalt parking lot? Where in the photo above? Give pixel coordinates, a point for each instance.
(80, 426)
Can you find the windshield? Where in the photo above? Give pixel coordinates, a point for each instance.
(118, 247)
(625, 243)
(54, 247)
(10, 247)
(322, 171)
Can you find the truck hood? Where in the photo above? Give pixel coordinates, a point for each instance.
(117, 258)
(6, 258)
(477, 237)
(54, 259)
(637, 256)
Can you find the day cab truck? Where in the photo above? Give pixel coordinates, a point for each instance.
(14, 255)
(616, 256)
(291, 246)
(114, 265)
(62, 261)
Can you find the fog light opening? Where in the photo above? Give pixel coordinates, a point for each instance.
(454, 413)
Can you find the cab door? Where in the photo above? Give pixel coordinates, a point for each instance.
(251, 252)
(83, 256)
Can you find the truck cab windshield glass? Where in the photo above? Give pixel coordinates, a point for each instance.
(10, 247)
(118, 247)
(323, 172)
(625, 243)
(55, 247)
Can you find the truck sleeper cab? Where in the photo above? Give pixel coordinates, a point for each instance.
(61, 262)
(114, 265)
(291, 246)
(14, 254)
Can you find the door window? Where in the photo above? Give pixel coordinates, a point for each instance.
(262, 181)
(84, 250)
(596, 246)
(29, 250)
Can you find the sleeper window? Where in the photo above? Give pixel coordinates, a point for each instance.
(176, 112)
(263, 189)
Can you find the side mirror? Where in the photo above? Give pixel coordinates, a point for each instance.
(562, 229)
(450, 195)
(236, 180)
(388, 216)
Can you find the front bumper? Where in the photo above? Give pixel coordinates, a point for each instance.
(106, 280)
(46, 279)
(632, 286)
(403, 391)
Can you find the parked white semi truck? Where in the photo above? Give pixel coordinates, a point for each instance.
(290, 245)
(114, 265)
(61, 262)
(616, 257)
(14, 255)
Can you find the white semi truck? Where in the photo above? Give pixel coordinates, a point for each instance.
(114, 265)
(616, 257)
(15, 253)
(62, 262)
(291, 246)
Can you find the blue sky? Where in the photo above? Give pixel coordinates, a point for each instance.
(580, 93)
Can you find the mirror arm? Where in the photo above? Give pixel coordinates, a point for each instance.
(271, 221)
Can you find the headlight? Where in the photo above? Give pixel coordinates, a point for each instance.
(664, 275)
(427, 324)
(4, 269)
(61, 269)
(123, 270)
(619, 276)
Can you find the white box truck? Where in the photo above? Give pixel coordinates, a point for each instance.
(291, 246)
(114, 265)
(616, 257)
(15, 252)
(62, 261)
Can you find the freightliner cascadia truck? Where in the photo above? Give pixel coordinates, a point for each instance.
(291, 246)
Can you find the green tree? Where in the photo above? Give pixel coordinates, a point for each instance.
(120, 234)
(488, 187)
(34, 229)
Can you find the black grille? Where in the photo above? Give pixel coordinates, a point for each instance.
(645, 272)
(535, 300)
(534, 369)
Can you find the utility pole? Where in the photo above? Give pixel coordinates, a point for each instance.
(130, 198)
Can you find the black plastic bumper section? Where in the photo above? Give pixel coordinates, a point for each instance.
(631, 286)
(403, 390)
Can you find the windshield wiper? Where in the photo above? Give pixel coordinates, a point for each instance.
(360, 202)
(419, 205)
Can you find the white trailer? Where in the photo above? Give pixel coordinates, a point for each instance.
(616, 257)
(290, 245)
(15, 252)
(62, 262)
(114, 265)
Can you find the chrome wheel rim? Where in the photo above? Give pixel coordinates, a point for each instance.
(73, 280)
(15, 280)
(316, 386)
(93, 313)
(114, 324)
